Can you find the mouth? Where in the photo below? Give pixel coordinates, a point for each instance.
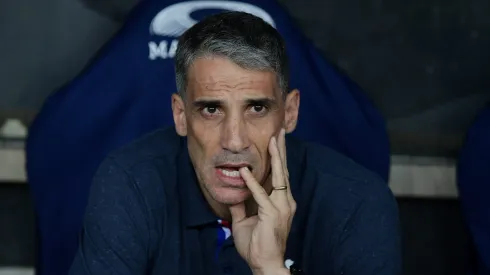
(230, 172)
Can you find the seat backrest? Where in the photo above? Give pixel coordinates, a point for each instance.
(473, 178)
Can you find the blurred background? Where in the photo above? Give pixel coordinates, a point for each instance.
(424, 64)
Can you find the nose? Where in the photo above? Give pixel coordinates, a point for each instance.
(234, 137)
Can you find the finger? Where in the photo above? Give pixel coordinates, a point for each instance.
(279, 197)
(257, 190)
(238, 213)
(282, 150)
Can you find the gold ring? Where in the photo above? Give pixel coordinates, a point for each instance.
(280, 188)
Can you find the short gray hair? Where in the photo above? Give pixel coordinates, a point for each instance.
(245, 39)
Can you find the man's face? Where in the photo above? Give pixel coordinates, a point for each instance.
(229, 117)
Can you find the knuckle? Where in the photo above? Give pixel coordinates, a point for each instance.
(293, 207)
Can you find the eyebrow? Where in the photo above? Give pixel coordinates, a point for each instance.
(266, 101)
(201, 103)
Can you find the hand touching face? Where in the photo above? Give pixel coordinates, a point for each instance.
(261, 239)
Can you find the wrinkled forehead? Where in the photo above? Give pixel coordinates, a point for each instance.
(215, 76)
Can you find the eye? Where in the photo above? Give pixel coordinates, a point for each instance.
(210, 111)
(258, 109)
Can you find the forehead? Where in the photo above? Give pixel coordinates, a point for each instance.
(217, 76)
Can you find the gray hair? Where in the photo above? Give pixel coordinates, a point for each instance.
(245, 39)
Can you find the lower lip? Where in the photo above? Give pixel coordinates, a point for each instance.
(228, 180)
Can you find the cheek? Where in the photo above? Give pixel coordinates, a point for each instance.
(206, 130)
(267, 126)
(204, 140)
(261, 133)
(261, 138)
(202, 124)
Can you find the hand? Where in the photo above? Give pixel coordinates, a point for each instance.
(261, 239)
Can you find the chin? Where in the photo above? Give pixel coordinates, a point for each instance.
(230, 196)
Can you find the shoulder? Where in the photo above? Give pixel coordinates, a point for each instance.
(324, 162)
(344, 208)
(145, 169)
(334, 182)
(162, 144)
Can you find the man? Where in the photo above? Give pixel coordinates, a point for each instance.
(161, 204)
(138, 65)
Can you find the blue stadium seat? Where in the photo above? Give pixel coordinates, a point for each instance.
(473, 175)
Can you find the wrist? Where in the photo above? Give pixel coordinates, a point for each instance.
(272, 271)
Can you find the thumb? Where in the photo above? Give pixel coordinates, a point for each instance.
(237, 212)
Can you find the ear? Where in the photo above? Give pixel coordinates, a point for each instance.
(178, 110)
(291, 111)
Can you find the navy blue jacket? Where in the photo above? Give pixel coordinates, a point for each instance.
(125, 93)
(147, 215)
